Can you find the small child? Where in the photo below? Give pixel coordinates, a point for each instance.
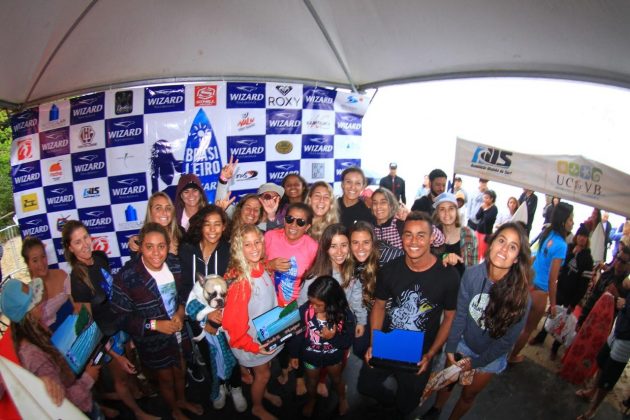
(330, 327)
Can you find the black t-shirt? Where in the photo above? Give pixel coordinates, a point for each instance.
(456, 249)
(99, 275)
(190, 255)
(415, 300)
(424, 204)
(350, 215)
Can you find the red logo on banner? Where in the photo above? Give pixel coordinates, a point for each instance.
(206, 95)
(100, 243)
(86, 134)
(55, 170)
(25, 149)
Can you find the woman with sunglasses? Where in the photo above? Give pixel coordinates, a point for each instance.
(547, 264)
(291, 253)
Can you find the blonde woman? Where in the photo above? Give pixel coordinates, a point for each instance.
(322, 200)
(161, 210)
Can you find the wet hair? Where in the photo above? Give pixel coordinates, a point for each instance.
(371, 264)
(172, 229)
(238, 267)
(391, 200)
(351, 170)
(326, 289)
(236, 217)
(437, 173)
(508, 298)
(322, 265)
(29, 243)
(153, 227)
(79, 269)
(317, 227)
(194, 234)
(559, 216)
(308, 211)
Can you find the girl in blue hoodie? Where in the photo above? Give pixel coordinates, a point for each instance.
(492, 308)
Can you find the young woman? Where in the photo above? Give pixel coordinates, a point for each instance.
(190, 199)
(57, 303)
(321, 199)
(460, 247)
(295, 189)
(92, 285)
(572, 280)
(512, 206)
(21, 303)
(492, 308)
(547, 263)
(248, 211)
(251, 293)
(351, 208)
(148, 296)
(369, 255)
(329, 332)
(486, 215)
(387, 227)
(160, 210)
(206, 249)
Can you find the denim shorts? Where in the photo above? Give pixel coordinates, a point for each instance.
(496, 366)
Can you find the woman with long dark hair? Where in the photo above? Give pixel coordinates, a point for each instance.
(295, 190)
(492, 307)
(547, 263)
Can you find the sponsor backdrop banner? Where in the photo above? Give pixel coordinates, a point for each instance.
(99, 157)
(570, 177)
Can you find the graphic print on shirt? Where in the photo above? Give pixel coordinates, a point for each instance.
(106, 284)
(477, 306)
(285, 281)
(410, 311)
(169, 297)
(314, 327)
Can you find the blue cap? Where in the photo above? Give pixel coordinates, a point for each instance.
(14, 303)
(445, 197)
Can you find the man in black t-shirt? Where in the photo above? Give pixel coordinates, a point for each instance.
(437, 179)
(412, 292)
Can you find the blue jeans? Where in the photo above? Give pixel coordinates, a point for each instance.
(496, 366)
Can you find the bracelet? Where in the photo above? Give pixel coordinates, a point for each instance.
(444, 256)
(223, 179)
(154, 325)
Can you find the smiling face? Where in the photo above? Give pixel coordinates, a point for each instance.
(250, 212)
(352, 186)
(338, 251)
(361, 245)
(212, 228)
(161, 211)
(154, 249)
(293, 188)
(504, 249)
(380, 208)
(191, 197)
(416, 239)
(37, 262)
(321, 201)
(293, 231)
(447, 213)
(252, 247)
(81, 245)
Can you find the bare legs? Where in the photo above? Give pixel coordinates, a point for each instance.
(172, 389)
(312, 380)
(469, 393)
(259, 390)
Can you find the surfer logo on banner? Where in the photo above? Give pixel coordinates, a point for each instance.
(201, 155)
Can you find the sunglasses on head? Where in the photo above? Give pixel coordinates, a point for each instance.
(290, 219)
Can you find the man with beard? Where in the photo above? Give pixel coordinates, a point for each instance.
(437, 180)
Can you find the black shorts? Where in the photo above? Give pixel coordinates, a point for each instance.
(611, 370)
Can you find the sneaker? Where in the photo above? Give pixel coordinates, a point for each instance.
(240, 403)
(219, 402)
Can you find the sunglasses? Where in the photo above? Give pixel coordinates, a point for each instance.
(290, 219)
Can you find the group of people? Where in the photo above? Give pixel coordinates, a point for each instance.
(352, 265)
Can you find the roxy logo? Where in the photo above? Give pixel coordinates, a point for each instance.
(284, 89)
(284, 101)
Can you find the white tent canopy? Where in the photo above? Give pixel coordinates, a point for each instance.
(57, 48)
